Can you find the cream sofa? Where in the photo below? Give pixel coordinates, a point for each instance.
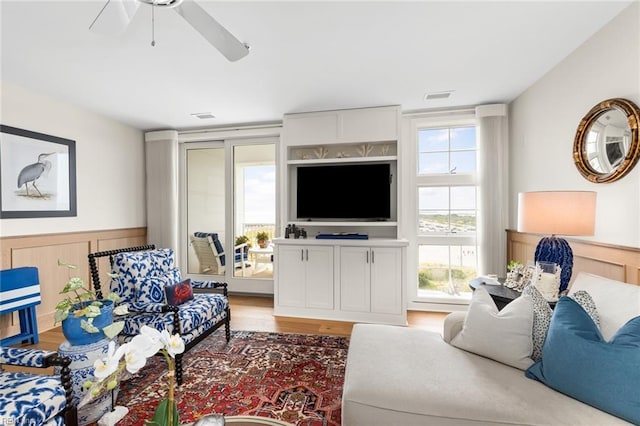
(405, 376)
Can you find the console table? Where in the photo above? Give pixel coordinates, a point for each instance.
(500, 294)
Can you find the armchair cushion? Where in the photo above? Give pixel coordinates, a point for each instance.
(151, 289)
(23, 356)
(137, 268)
(194, 315)
(34, 399)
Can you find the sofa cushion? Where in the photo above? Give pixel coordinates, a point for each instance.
(407, 376)
(541, 319)
(617, 302)
(504, 336)
(586, 301)
(577, 361)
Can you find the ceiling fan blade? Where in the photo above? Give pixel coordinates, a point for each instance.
(114, 17)
(232, 48)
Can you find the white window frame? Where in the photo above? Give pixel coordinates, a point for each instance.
(409, 218)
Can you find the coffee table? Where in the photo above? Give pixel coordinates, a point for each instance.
(251, 421)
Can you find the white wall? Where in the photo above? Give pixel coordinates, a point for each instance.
(110, 169)
(544, 120)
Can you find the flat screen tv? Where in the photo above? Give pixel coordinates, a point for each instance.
(344, 192)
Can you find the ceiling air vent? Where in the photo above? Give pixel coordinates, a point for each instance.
(203, 115)
(437, 95)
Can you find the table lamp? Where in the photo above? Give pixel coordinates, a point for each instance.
(557, 212)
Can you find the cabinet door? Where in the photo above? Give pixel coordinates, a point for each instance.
(319, 277)
(307, 129)
(369, 124)
(386, 280)
(290, 270)
(354, 278)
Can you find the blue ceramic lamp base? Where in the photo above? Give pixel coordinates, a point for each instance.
(556, 250)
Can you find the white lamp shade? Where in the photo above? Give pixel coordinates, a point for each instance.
(557, 212)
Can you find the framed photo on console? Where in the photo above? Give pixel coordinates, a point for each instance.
(37, 174)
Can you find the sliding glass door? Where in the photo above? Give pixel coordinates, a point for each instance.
(205, 208)
(229, 212)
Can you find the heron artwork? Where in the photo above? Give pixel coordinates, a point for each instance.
(32, 172)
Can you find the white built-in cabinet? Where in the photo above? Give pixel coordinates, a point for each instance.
(368, 279)
(342, 126)
(344, 280)
(338, 279)
(305, 277)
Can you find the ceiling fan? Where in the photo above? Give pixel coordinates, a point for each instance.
(116, 15)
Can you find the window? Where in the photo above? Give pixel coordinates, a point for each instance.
(447, 211)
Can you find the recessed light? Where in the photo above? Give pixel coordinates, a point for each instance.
(203, 115)
(438, 95)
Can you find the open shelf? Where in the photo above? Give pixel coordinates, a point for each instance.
(344, 160)
(343, 224)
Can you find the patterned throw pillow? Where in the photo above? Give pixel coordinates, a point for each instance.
(151, 289)
(542, 313)
(586, 301)
(180, 293)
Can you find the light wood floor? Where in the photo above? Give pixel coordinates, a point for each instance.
(255, 313)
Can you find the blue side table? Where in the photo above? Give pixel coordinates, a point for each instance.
(82, 359)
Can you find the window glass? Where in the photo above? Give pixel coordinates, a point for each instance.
(446, 269)
(447, 212)
(450, 150)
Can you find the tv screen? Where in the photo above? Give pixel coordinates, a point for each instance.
(346, 191)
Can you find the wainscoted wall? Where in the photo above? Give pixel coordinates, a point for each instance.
(607, 260)
(43, 251)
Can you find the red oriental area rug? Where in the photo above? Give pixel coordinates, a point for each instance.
(291, 377)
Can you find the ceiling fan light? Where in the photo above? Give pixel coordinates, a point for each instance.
(162, 3)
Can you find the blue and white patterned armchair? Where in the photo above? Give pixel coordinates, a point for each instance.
(143, 273)
(36, 399)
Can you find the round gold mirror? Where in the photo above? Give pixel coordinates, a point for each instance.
(606, 146)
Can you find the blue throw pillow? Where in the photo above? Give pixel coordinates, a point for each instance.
(577, 361)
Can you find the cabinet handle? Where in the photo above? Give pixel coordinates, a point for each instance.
(367, 256)
(373, 256)
(302, 255)
(307, 250)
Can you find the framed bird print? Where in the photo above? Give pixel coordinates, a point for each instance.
(37, 174)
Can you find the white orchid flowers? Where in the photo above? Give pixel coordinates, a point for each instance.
(132, 356)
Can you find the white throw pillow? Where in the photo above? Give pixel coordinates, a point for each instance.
(504, 336)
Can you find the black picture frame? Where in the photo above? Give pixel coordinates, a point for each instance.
(30, 158)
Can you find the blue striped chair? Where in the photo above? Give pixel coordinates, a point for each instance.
(20, 291)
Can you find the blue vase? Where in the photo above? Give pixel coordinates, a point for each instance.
(76, 335)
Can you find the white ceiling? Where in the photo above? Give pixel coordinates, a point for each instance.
(305, 56)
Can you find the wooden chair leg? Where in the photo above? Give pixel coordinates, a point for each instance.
(179, 369)
(227, 325)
